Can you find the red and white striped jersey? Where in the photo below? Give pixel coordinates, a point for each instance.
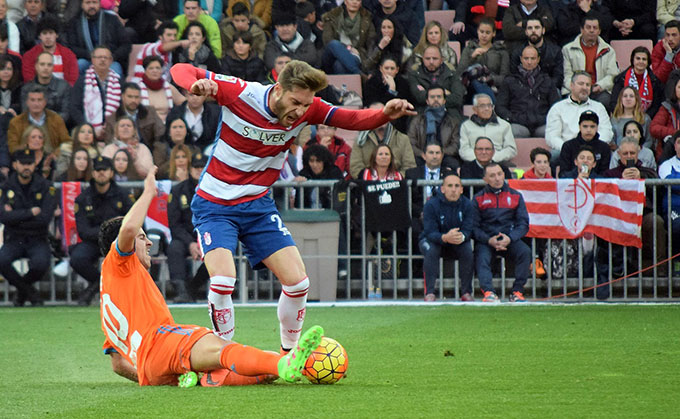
(252, 146)
(152, 48)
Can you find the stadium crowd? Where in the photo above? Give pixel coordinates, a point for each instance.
(86, 96)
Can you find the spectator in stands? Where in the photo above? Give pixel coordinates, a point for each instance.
(209, 28)
(96, 94)
(435, 126)
(212, 8)
(241, 61)
(588, 135)
(6, 52)
(670, 169)
(448, 224)
(79, 168)
(198, 53)
(122, 169)
(498, 230)
(27, 206)
(470, 13)
(665, 57)
(491, 56)
(176, 132)
(387, 83)
(666, 121)
(540, 164)
(242, 21)
(164, 48)
(584, 165)
(640, 76)
(309, 23)
(389, 40)
(485, 123)
(280, 61)
(628, 107)
(259, 8)
(125, 137)
(57, 91)
(288, 39)
(515, 18)
(37, 114)
(82, 137)
(35, 139)
(433, 71)
(347, 31)
(12, 31)
(563, 116)
(149, 125)
(184, 242)
(415, 7)
(65, 63)
(571, 14)
(367, 142)
(317, 164)
(10, 105)
(382, 166)
(28, 25)
(435, 35)
(633, 129)
(339, 149)
(632, 19)
(484, 152)
(525, 98)
(156, 92)
(178, 167)
(400, 15)
(666, 11)
(103, 200)
(590, 53)
(141, 19)
(551, 58)
(200, 118)
(103, 29)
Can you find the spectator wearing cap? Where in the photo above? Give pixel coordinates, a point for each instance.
(194, 14)
(347, 31)
(103, 200)
(241, 21)
(184, 242)
(58, 91)
(27, 205)
(64, 60)
(286, 38)
(588, 135)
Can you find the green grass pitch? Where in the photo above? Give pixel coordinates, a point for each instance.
(404, 362)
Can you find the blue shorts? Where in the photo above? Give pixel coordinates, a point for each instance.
(257, 224)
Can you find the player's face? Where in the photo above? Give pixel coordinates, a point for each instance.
(434, 35)
(588, 130)
(541, 165)
(291, 104)
(452, 188)
(495, 177)
(142, 248)
(48, 38)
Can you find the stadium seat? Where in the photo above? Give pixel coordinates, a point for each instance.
(524, 147)
(623, 49)
(132, 60)
(351, 81)
(445, 17)
(455, 45)
(347, 135)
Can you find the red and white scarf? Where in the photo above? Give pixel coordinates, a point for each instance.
(646, 91)
(95, 110)
(372, 174)
(144, 93)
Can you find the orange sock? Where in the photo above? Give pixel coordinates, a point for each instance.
(226, 377)
(246, 360)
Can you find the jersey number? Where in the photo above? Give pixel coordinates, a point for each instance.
(116, 326)
(283, 229)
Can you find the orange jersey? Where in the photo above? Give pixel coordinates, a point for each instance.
(132, 308)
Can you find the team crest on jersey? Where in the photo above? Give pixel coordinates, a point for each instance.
(225, 78)
(207, 238)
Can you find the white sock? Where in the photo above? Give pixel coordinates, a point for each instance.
(291, 312)
(221, 307)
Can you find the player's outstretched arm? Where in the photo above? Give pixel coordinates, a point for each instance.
(193, 79)
(396, 108)
(368, 119)
(134, 219)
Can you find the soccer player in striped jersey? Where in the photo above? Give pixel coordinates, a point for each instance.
(258, 126)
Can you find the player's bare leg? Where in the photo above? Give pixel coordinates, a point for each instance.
(220, 264)
(288, 267)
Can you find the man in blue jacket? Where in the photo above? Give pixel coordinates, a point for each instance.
(447, 227)
(500, 222)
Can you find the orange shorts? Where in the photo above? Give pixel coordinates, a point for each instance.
(170, 354)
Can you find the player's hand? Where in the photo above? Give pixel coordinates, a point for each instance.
(150, 181)
(204, 87)
(396, 108)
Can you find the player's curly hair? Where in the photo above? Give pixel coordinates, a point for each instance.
(302, 75)
(108, 232)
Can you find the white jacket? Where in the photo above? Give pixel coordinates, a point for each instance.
(500, 134)
(562, 122)
(606, 67)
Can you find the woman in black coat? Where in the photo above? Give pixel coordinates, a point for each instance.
(241, 61)
(317, 164)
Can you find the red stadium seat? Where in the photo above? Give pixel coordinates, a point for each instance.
(455, 45)
(623, 49)
(445, 17)
(524, 147)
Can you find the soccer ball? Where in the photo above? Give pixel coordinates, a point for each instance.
(327, 364)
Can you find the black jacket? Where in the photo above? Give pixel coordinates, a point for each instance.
(20, 221)
(440, 216)
(570, 149)
(210, 117)
(111, 33)
(552, 61)
(179, 211)
(92, 209)
(250, 69)
(518, 103)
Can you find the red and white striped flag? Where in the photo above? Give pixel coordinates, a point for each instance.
(566, 208)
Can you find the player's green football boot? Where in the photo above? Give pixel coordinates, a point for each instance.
(292, 364)
(188, 379)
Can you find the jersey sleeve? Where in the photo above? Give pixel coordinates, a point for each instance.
(322, 112)
(229, 87)
(121, 262)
